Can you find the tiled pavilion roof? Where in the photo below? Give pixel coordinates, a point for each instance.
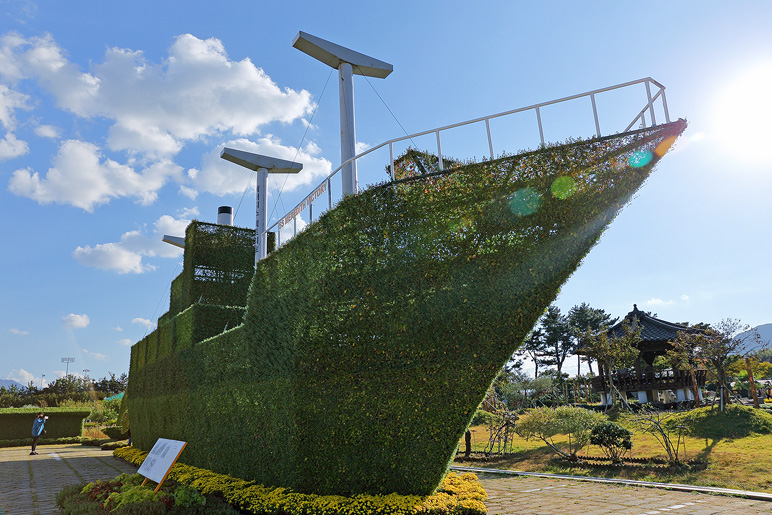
(653, 329)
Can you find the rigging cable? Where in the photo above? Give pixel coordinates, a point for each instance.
(281, 190)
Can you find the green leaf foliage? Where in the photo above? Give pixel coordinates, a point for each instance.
(16, 423)
(371, 337)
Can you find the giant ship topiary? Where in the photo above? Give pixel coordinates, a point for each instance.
(354, 356)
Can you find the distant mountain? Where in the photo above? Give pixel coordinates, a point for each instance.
(765, 331)
(7, 383)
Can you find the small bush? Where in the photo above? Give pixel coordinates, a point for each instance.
(482, 418)
(94, 442)
(545, 423)
(613, 439)
(114, 432)
(111, 446)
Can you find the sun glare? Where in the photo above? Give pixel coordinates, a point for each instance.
(742, 115)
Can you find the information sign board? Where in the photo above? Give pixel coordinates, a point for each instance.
(161, 459)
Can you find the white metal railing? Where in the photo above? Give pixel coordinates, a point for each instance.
(325, 185)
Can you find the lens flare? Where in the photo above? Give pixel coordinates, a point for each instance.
(524, 202)
(640, 158)
(664, 146)
(563, 187)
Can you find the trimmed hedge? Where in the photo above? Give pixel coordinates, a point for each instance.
(25, 442)
(115, 432)
(16, 423)
(371, 337)
(456, 495)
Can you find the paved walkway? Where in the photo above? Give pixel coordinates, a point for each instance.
(29, 484)
(517, 495)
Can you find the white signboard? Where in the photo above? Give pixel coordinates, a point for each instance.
(161, 459)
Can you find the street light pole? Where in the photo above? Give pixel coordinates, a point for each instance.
(68, 361)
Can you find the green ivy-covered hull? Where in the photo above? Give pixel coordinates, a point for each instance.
(370, 339)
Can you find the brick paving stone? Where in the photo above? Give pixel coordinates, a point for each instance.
(523, 495)
(29, 484)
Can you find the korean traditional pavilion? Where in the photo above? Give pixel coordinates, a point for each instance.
(642, 382)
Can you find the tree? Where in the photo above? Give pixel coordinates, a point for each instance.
(583, 317)
(557, 340)
(613, 352)
(659, 425)
(715, 346)
(533, 347)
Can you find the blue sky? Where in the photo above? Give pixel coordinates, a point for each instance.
(112, 116)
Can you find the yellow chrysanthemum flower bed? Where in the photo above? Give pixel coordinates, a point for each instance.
(456, 495)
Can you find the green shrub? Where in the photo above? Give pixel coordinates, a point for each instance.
(115, 432)
(544, 423)
(111, 446)
(94, 442)
(735, 422)
(482, 418)
(371, 337)
(612, 438)
(25, 442)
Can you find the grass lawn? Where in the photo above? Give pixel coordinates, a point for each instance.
(741, 463)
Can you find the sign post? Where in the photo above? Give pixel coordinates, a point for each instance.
(160, 461)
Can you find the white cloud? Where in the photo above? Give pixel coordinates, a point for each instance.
(11, 100)
(126, 342)
(188, 213)
(48, 131)
(18, 332)
(83, 177)
(658, 302)
(221, 177)
(111, 256)
(11, 147)
(118, 328)
(143, 322)
(126, 256)
(76, 321)
(156, 107)
(95, 355)
(360, 147)
(287, 232)
(22, 377)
